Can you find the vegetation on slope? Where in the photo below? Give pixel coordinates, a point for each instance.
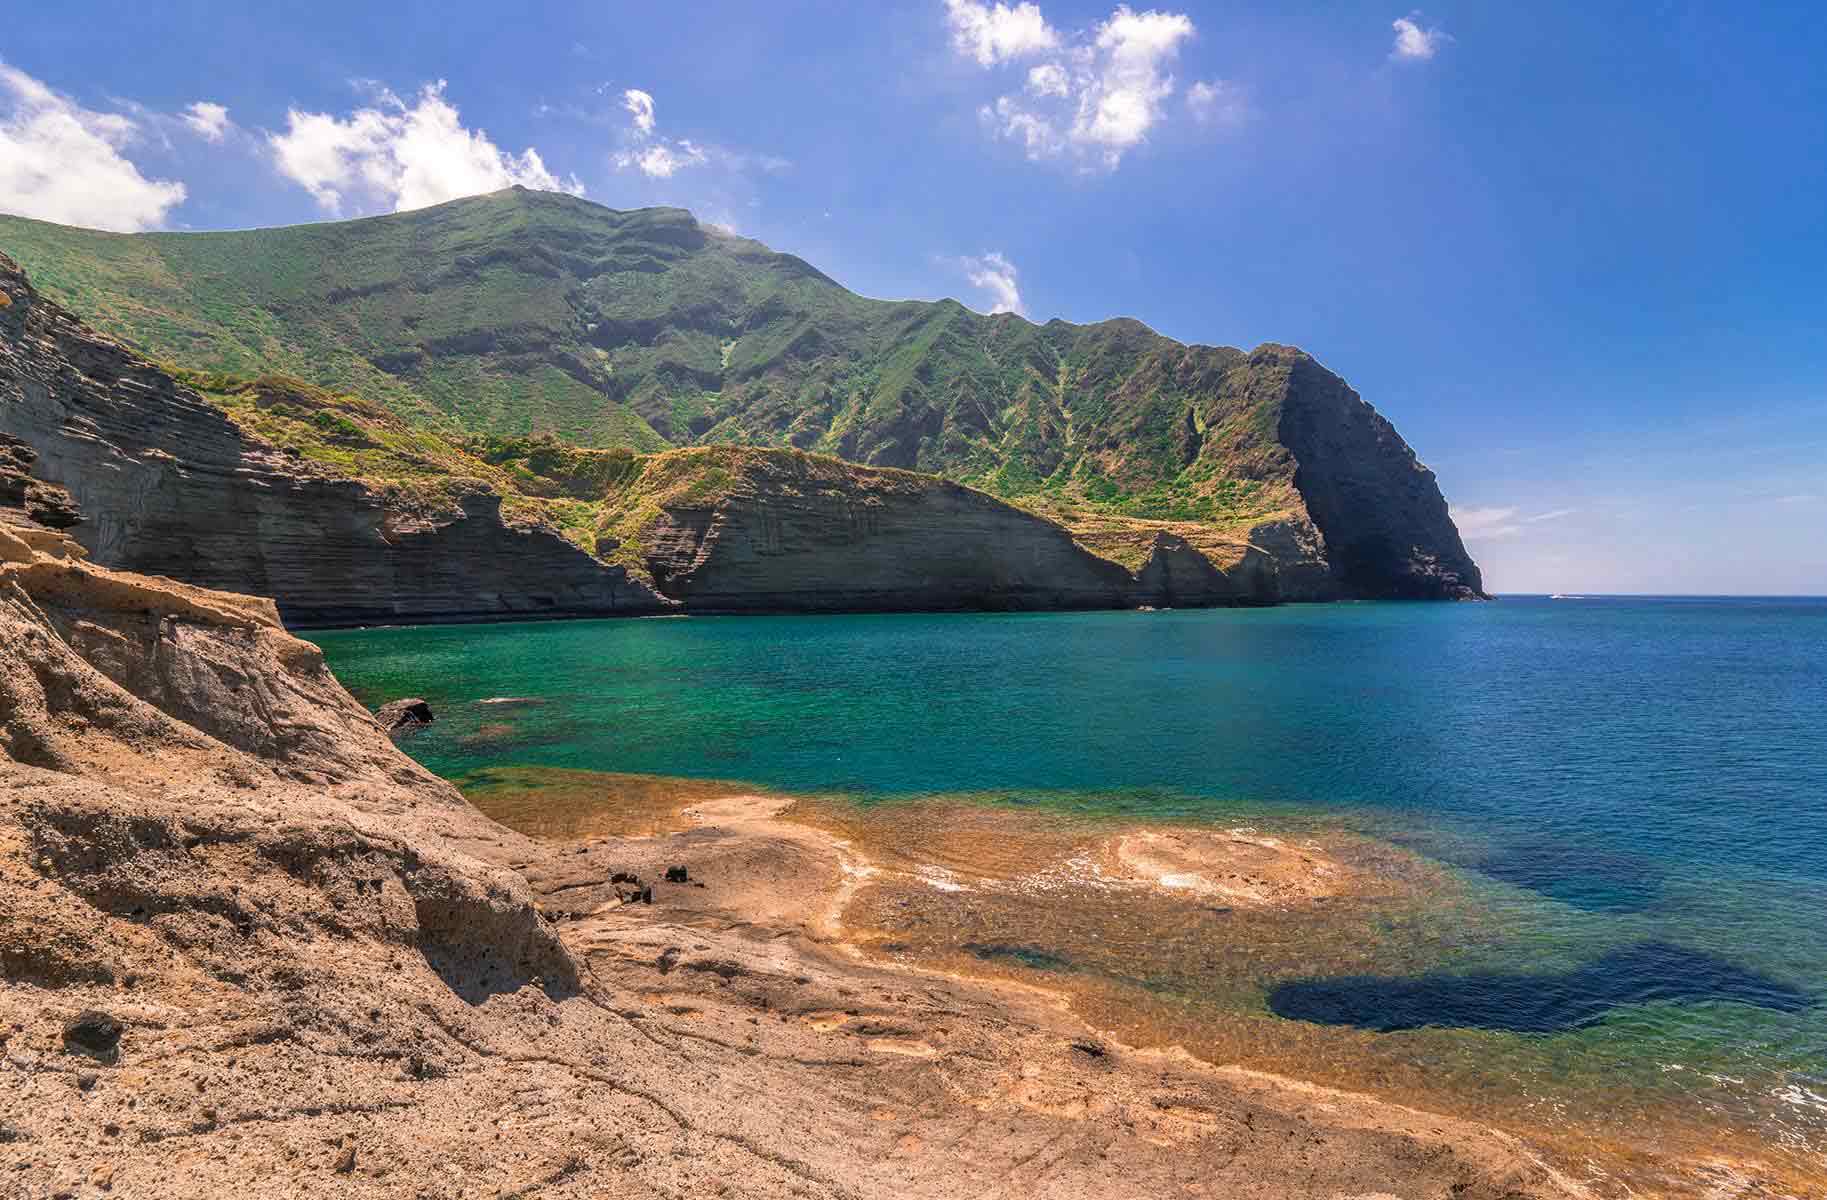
(521, 314)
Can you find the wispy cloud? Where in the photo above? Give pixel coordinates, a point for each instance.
(1490, 523)
(1415, 43)
(62, 162)
(207, 120)
(659, 157)
(997, 277)
(399, 156)
(1216, 102)
(1486, 522)
(1096, 95)
(640, 108)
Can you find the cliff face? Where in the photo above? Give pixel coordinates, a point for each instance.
(175, 488)
(742, 530)
(793, 532)
(1387, 529)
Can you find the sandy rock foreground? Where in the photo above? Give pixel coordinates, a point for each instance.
(250, 949)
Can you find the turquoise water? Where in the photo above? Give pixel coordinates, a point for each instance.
(1638, 785)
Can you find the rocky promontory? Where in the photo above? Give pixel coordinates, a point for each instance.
(741, 530)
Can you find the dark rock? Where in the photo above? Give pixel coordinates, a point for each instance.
(1090, 1048)
(677, 875)
(624, 877)
(85, 1082)
(345, 1161)
(1388, 533)
(95, 1034)
(403, 716)
(647, 895)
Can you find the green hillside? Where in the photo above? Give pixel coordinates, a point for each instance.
(524, 313)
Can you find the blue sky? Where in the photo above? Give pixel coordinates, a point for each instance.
(1575, 251)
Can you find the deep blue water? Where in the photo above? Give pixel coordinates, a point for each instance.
(1642, 781)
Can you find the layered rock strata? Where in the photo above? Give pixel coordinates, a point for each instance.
(784, 531)
(175, 488)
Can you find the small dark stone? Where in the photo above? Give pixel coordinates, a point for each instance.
(86, 1081)
(677, 875)
(345, 1162)
(647, 895)
(404, 716)
(94, 1033)
(1088, 1047)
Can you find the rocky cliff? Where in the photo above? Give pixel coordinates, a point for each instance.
(521, 312)
(728, 530)
(175, 488)
(1387, 529)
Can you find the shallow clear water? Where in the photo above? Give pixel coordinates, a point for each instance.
(1630, 794)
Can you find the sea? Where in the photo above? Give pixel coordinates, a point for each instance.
(1599, 827)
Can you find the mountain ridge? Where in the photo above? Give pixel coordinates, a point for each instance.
(520, 313)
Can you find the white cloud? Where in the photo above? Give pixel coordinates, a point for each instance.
(1413, 43)
(400, 157)
(1097, 98)
(1049, 79)
(1216, 102)
(997, 276)
(208, 121)
(640, 105)
(1485, 523)
(62, 162)
(993, 33)
(1041, 138)
(661, 159)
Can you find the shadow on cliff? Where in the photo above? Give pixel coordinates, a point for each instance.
(1647, 973)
